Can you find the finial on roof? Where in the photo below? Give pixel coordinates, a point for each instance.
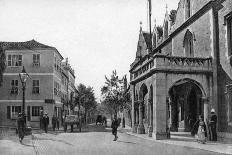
(141, 24)
(166, 8)
(155, 22)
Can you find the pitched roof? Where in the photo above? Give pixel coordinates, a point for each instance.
(32, 44)
(147, 39)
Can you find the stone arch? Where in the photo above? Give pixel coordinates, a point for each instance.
(189, 80)
(143, 91)
(185, 104)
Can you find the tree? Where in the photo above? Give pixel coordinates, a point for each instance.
(2, 64)
(113, 93)
(86, 99)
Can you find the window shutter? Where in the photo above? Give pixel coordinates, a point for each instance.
(8, 112)
(28, 113)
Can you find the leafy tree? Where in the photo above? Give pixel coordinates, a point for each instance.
(2, 64)
(86, 99)
(113, 93)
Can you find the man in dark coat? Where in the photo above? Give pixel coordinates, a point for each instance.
(46, 122)
(114, 127)
(213, 125)
(21, 127)
(54, 122)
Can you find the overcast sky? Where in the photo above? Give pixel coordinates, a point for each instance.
(97, 36)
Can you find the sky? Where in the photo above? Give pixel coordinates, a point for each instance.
(97, 36)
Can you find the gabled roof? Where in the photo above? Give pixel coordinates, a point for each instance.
(32, 44)
(147, 38)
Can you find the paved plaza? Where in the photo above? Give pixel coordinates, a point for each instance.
(97, 140)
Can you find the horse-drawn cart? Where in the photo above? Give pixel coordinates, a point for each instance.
(71, 120)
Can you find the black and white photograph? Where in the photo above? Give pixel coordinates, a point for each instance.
(115, 77)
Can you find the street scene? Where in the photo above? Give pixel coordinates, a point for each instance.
(116, 77)
(98, 140)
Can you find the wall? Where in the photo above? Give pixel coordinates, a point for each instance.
(225, 70)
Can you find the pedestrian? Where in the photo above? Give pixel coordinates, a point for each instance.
(213, 126)
(54, 122)
(194, 129)
(105, 122)
(201, 133)
(46, 122)
(114, 127)
(21, 127)
(58, 123)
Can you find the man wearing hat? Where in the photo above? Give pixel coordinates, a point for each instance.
(21, 127)
(213, 125)
(46, 122)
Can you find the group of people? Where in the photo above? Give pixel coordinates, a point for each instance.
(200, 128)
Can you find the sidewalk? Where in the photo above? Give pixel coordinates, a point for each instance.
(186, 141)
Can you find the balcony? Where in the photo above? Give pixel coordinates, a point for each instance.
(173, 64)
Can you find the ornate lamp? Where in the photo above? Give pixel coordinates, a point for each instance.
(23, 77)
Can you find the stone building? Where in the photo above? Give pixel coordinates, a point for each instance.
(45, 87)
(188, 71)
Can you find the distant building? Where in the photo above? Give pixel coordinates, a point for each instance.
(45, 88)
(188, 71)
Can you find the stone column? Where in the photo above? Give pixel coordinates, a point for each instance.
(133, 107)
(141, 129)
(150, 127)
(206, 108)
(137, 117)
(159, 109)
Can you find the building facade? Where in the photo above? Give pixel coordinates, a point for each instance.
(45, 90)
(187, 72)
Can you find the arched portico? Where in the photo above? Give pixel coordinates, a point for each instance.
(185, 104)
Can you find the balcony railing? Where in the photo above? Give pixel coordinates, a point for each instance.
(174, 64)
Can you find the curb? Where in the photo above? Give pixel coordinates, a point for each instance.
(163, 142)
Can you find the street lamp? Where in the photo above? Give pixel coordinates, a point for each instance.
(23, 77)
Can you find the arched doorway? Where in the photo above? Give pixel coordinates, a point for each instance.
(142, 109)
(185, 105)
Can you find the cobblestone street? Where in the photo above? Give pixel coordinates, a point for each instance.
(93, 140)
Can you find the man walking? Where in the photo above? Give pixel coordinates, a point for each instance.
(21, 127)
(46, 122)
(213, 125)
(114, 127)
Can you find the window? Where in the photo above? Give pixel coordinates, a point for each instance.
(188, 44)
(36, 59)
(55, 63)
(14, 87)
(35, 87)
(36, 110)
(187, 9)
(229, 35)
(14, 111)
(14, 60)
(57, 88)
(228, 94)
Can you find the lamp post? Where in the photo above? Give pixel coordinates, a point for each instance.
(23, 77)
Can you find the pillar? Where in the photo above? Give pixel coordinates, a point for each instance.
(150, 127)
(160, 107)
(206, 108)
(133, 112)
(141, 129)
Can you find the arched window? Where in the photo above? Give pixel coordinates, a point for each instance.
(188, 44)
(187, 9)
